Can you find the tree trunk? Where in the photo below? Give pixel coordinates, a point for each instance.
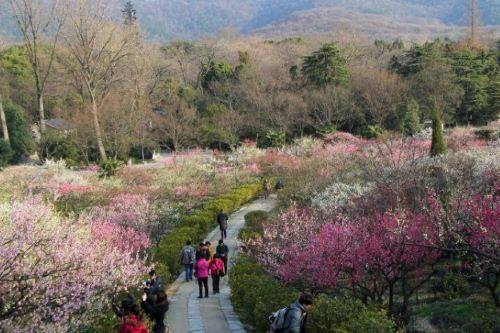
(3, 121)
(391, 298)
(97, 129)
(494, 295)
(41, 112)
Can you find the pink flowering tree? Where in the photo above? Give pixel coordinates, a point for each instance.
(55, 273)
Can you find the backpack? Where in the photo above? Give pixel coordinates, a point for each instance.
(278, 320)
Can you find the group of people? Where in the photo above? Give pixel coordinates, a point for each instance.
(204, 262)
(154, 303)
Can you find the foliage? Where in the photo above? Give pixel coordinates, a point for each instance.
(56, 146)
(326, 66)
(110, 166)
(6, 153)
(254, 222)
(372, 132)
(347, 315)
(21, 141)
(276, 139)
(438, 144)
(69, 266)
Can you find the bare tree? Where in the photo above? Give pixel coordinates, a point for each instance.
(97, 48)
(40, 23)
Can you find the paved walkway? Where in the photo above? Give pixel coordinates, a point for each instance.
(188, 314)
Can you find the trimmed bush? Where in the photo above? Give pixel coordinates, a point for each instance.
(253, 224)
(346, 315)
(110, 167)
(256, 295)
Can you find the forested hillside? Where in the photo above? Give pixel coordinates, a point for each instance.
(192, 19)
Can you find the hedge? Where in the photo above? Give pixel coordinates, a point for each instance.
(196, 225)
(253, 225)
(255, 295)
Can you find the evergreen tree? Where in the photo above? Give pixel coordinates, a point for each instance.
(326, 66)
(411, 118)
(129, 14)
(438, 145)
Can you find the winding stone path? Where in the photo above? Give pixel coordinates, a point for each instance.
(187, 313)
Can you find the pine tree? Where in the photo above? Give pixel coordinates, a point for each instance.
(438, 145)
(411, 118)
(129, 14)
(326, 66)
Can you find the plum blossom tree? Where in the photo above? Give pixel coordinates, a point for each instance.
(54, 272)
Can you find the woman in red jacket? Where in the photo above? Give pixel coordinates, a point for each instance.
(202, 270)
(216, 266)
(132, 321)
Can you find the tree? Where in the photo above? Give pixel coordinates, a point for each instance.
(56, 273)
(129, 14)
(326, 66)
(438, 146)
(20, 137)
(96, 50)
(411, 118)
(3, 123)
(40, 23)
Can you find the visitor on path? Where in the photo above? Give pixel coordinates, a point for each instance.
(155, 284)
(292, 319)
(280, 184)
(188, 258)
(210, 249)
(266, 187)
(132, 321)
(202, 270)
(223, 252)
(216, 267)
(156, 306)
(127, 303)
(222, 219)
(202, 252)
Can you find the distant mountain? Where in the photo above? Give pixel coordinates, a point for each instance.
(192, 19)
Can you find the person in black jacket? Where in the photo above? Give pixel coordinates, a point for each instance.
(156, 306)
(223, 251)
(127, 303)
(222, 219)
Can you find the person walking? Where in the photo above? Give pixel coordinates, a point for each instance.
(216, 267)
(156, 306)
(223, 252)
(202, 252)
(132, 321)
(188, 257)
(155, 283)
(294, 318)
(210, 249)
(202, 270)
(266, 187)
(222, 219)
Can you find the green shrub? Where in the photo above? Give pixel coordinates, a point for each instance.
(273, 139)
(21, 140)
(487, 134)
(167, 251)
(109, 167)
(372, 132)
(451, 286)
(253, 224)
(6, 153)
(256, 295)
(346, 315)
(57, 147)
(438, 144)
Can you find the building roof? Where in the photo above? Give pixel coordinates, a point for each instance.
(57, 124)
